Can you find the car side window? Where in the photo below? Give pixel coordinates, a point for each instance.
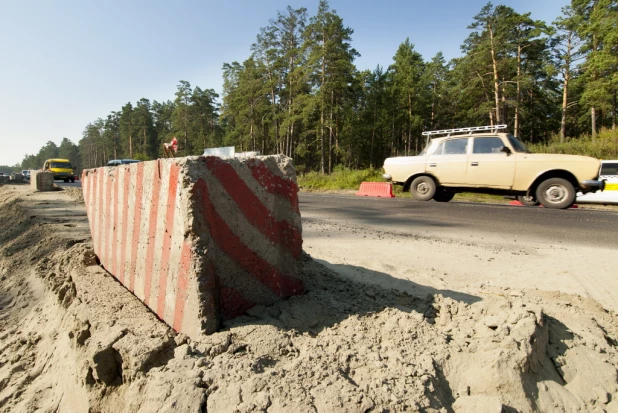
(452, 147)
(487, 145)
(609, 169)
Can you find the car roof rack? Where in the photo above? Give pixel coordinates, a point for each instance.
(449, 132)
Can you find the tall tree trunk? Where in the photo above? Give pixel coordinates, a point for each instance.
(433, 105)
(292, 142)
(496, 78)
(517, 96)
(593, 120)
(565, 89)
(565, 102)
(373, 136)
(330, 133)
(322, 154)
(614, 111)
(593, 112)
(409, 137)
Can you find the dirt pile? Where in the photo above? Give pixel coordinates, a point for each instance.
(73, 339)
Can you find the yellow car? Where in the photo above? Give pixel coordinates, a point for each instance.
(61, 168)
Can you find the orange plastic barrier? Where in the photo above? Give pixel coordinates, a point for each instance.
(377, 189)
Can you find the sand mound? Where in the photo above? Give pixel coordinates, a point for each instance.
(73, 339)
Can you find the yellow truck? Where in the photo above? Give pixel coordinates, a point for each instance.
(61, 168)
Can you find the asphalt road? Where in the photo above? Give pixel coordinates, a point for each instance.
(583, 227)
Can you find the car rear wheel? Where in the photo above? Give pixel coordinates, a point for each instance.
(423, 188)
(443, 195)
(556, 193)
(528, 200)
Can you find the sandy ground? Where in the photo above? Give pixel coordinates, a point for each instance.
(370, 335)
(454, 261)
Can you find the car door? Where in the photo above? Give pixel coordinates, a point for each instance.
(488, 165)
(449, 161)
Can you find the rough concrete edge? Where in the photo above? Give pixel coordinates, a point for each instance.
(201, 274)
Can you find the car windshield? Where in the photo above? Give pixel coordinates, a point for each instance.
(517, 145)
(63, 165)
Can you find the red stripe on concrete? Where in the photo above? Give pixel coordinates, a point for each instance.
(280, 232)
(114, 263)
(93, 181)
(85, 189)
(247, 259)
(152, 230)
(183, 285)
(100, 216)
(274, 184)
(233, 303)
(167, 238)
(125, 222)
(108, 220)
(139, 189)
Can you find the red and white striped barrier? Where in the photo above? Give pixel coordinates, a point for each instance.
(198, 240)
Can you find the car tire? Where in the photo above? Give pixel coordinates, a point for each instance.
(556, 193)
(443, 195)
(528, 200)
(66, 179)
(72, 180)
(423, 188)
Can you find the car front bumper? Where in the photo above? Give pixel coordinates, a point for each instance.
(387, 177)
(592, 185)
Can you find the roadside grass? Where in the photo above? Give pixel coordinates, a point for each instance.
(340, 179)
(348, 180)
(604, 146)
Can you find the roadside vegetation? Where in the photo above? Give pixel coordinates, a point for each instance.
(604, 146)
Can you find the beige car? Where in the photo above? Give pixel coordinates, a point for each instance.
(482, 159)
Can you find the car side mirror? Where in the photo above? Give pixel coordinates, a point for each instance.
(506, 150)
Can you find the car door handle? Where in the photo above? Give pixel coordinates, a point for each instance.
(432, 165)
(474, 164)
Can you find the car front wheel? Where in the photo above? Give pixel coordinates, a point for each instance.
(556, 193)
(423, 188)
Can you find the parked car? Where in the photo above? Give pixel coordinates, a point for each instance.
(26, 174)
(61, 168)
(609, 173)
(116, 162)
(482, 159)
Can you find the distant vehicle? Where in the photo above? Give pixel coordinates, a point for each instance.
(61, 168)
(117, 162)
(609, 173)
(26, 173)
(481, 159)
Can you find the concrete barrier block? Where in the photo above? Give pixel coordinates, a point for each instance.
(200, 239)
(42, 181)
(17, 177)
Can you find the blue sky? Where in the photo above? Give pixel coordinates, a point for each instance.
(65, 63)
